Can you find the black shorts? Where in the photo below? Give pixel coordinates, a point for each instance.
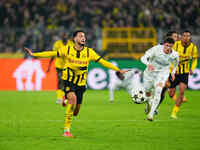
(59, 79)
(79, 90)
(178, 79)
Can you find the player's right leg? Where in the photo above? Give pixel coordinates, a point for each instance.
(71, 104)
(182, 88)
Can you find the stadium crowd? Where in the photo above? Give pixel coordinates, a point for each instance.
(37, 23)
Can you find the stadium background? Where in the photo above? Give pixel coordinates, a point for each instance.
(121, 29)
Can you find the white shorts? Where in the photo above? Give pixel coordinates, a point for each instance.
(151, 79)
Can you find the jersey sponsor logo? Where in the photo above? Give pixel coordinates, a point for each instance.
(77, 61)
(160, 62)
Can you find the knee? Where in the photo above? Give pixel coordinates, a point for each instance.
(181, 92)
(71, 98)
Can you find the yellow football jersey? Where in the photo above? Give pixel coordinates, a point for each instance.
(58, 45)
(186, 54)
(76, 63)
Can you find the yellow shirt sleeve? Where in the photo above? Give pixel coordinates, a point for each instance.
(194, 58)
(93, 55)
(45, 54)
(108, 65)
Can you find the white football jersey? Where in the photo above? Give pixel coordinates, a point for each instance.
(160, 60)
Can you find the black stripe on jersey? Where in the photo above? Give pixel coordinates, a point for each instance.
(82, 77)
(78, 54)
(183, 65)
(83, 68)
(73, 76)
(58, 54)
(68, 50)
(176, 46)
(87, 52)
(98, 59)
(78, 78)
(184, 51)
(68, 74)
(179, 69)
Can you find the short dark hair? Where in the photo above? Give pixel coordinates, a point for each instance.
(168, 40)
(170, 33)
(76, 32)
(119, 75)
(188, 31)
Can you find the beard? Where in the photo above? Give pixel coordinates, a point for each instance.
(81, 44)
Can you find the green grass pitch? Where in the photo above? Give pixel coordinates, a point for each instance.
(33, 121)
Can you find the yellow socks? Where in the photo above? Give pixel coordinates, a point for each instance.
(174, 111)
(60, 94)
(68, 117)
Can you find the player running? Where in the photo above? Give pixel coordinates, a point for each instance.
(76, 60)
(158, 60)
(187, 52)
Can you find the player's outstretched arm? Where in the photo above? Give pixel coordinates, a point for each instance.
(111, 66)
(41, 54)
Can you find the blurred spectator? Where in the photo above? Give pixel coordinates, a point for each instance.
(34, 23)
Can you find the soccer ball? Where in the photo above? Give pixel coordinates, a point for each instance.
(138, 96)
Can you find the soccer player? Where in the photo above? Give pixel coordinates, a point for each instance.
(76, 61)
(59, 64)
(187, 52)
(158, 60)
(173, 34)
(175, 37)
(129, 81)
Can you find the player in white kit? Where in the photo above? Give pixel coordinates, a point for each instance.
(128, 81)
(158, 60)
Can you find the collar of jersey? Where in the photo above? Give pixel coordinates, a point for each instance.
(185, 46)
(79, 50)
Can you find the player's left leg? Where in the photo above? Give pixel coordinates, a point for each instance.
(148, 85)
(182, 88)
(79, 94)
(159, 83)
(156, 100)
(77, 109)
(72, 101)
